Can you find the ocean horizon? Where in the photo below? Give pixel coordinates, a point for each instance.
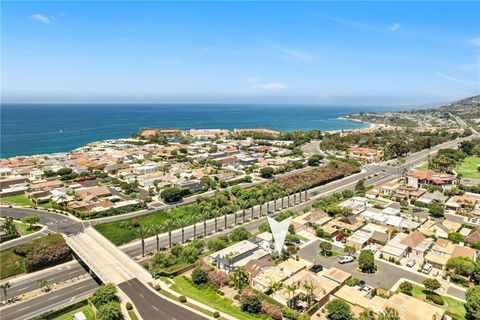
(40, 128)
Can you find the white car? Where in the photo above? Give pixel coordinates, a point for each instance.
(427, 268)
(345, 259)
(411, 263)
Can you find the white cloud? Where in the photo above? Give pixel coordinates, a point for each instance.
(394, 27)
(292, 55)
(476, 42)
(253, 79)
(270, 86)
(40, 18)
(447, 77)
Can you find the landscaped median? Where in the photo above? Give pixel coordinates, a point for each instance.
(227, 202)
(24, 201)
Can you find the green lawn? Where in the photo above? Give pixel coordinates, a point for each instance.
(468, 168)
(209, 297)
(119, 234)
(23, 200)
(87, 311)
(12, 264)
(454, 308)
(332, 254)
(23, 228)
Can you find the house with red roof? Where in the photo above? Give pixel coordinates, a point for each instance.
(419, 178)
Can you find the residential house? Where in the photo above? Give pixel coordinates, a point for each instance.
(409, 192)
(474, 236)
(365, 155)
(281, 272)
(418, 178)
(435, 196)
(443, 250)
(236, 255)
(439, 228)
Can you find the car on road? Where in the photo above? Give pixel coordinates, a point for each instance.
(345, 259)
(427, 268)
(411, 263)
(316, 268)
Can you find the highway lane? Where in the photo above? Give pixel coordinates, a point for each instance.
(151, 306)
(48, 301)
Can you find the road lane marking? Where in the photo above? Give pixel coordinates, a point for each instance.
(141, 295)
(155, 308)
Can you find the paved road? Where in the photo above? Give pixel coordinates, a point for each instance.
(154, 307)
(49, 301)
(25, 239)
(55, 222)
(386, 276)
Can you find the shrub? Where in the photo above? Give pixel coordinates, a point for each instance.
(406, 288)
(218, 277)
(435, 298)
(216, 314)
(251, 304)
(129, 306)
(104, 294)
(236, 297)
(110, 311)
(272, 311)
(182, 299)
(199, 276)
(459, 279)
(351, 282)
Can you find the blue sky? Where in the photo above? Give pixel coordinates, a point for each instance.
(380, 53)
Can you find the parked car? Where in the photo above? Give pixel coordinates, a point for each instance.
(316, 268)
(339, 237)
(296, 240)
(427, 268)
(411, 263)
(345, 259)
(367, 288)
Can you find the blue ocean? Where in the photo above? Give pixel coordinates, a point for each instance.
(28, 129)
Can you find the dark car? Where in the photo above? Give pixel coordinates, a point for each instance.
(296, 240)
(316, 268)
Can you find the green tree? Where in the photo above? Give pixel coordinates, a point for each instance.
(266, 172)
(110, 311)
(431, 284)
(239, 234)
(350, 250)
(367, 314)
(326, 248)
(4, 287)
(251, 304)
(156, 229)
(360, 186)
(199, 276)
(104, 294)
(314, 160)
(389, 314)
(366, 262)
(464, 266)
(406, 288)
(240, 277)
(43, 284)
(338, 310)
(31, 220)
(472, 307)
(172, 194)
(168, 225)
(436, 210)
(142, 233)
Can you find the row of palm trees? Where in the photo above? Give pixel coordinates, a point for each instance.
(206, 213)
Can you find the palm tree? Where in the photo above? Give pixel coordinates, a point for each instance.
(156, 228)
(274, 285)
(289, 192)
(168, 225)
(306, 192)
(4, 287)
(268, 198)
(275, 198)
(309, 286)
(204, 215)
(142, 233)
(291, 288)
(253, 202)
(261, 201)
(215, 214)
(282, 194)
(225, 211)
(243, 205)
(194, 222)
(182, 222)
